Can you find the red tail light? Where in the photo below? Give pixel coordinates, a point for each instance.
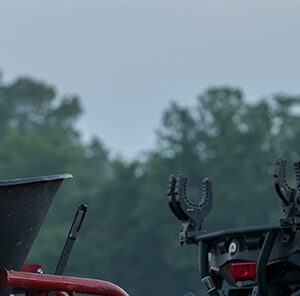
(239, 270)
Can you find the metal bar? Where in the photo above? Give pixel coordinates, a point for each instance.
(73, 233)
(203, 259)
(234, 231)
(262, 262)
(208, 282)
(45, 282)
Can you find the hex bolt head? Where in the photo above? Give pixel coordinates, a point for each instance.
(39, 270)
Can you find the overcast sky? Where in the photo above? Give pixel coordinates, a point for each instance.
(127, 60)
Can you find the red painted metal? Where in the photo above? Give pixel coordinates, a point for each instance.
(33, 268)
(46, 282)
(61, 293)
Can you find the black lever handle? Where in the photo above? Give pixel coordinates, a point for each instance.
(73, 233)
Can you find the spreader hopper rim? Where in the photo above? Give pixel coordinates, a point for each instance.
(20, 181)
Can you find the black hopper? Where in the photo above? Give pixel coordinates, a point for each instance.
(24, 204)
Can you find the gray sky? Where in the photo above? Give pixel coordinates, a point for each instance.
(127, 60)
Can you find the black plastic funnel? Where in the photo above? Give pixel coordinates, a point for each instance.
(24, 204)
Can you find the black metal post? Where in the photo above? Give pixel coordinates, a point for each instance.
(262, 262)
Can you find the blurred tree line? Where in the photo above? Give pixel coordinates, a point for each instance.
(130, 236)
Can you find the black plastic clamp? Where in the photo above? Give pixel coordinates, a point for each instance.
(190, 214)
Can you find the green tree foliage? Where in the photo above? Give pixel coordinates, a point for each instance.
(38, 137)
(233, 142)
(130, 236)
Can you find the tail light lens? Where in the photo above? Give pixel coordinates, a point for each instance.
(239, 270)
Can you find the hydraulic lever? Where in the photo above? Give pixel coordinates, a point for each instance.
(72, 235)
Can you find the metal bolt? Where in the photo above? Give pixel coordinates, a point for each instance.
(39, 270)
(233, 247)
